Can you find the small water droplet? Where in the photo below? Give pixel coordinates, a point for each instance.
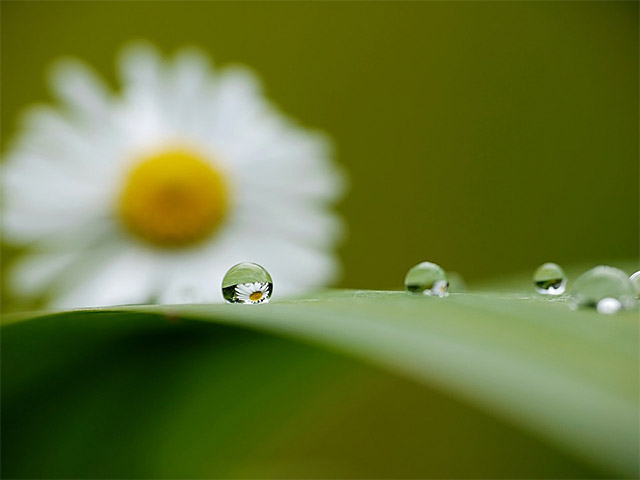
(608, 306)
(247, 283)
(635, 280)
(549, 279)
(427, 278)
(603, 283)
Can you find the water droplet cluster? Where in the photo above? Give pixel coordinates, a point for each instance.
(606, 289)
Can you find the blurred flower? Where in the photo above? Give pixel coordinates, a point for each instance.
(152, 194)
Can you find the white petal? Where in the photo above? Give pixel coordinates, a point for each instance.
(144, 114)
(189, 86)
(41, 179)
(27, 228)
(69, 144)
(36, 272)
(294, 164)
(190, 270)
(36, 207)
(305, 224)
(302, 267)
(236, 98)
(141, 67)
(126, 277)
(242, 295)
(175, 294)
(78, 86)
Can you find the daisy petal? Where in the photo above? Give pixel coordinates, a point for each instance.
(243, 288)
(141, 66)
(144, 113)
(237, 98)
(126, 277)
(306, 224)
(78, 87)
(305, 268)
(33, 274)
(189, 85)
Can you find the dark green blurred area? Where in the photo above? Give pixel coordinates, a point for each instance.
(487, 136)
(141, 396)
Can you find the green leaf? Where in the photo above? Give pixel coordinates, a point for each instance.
(569, 377)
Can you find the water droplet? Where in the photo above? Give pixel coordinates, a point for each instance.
(549, 279)
(603, 283)
(608, 306)
(635, 280)
(427, 278)
(247, 283)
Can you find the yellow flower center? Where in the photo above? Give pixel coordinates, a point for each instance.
(255, 296)
(173, 199)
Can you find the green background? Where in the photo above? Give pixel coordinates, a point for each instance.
(488, 137)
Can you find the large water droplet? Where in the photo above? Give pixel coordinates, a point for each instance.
(427, 278)
(549, 279)
(247, 283)
(635, 280)
(602, 283)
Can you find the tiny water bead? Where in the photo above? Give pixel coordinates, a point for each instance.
(609, 306)
(549, 279)
(601, 287)
(427, 278)
(247, 283)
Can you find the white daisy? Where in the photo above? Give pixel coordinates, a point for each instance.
(256, 292)
(156, 191)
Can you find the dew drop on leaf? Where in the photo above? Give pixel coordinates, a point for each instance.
(427, 278)
(549, 279)
(247, 283)
(608, 306)
(603, 283)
